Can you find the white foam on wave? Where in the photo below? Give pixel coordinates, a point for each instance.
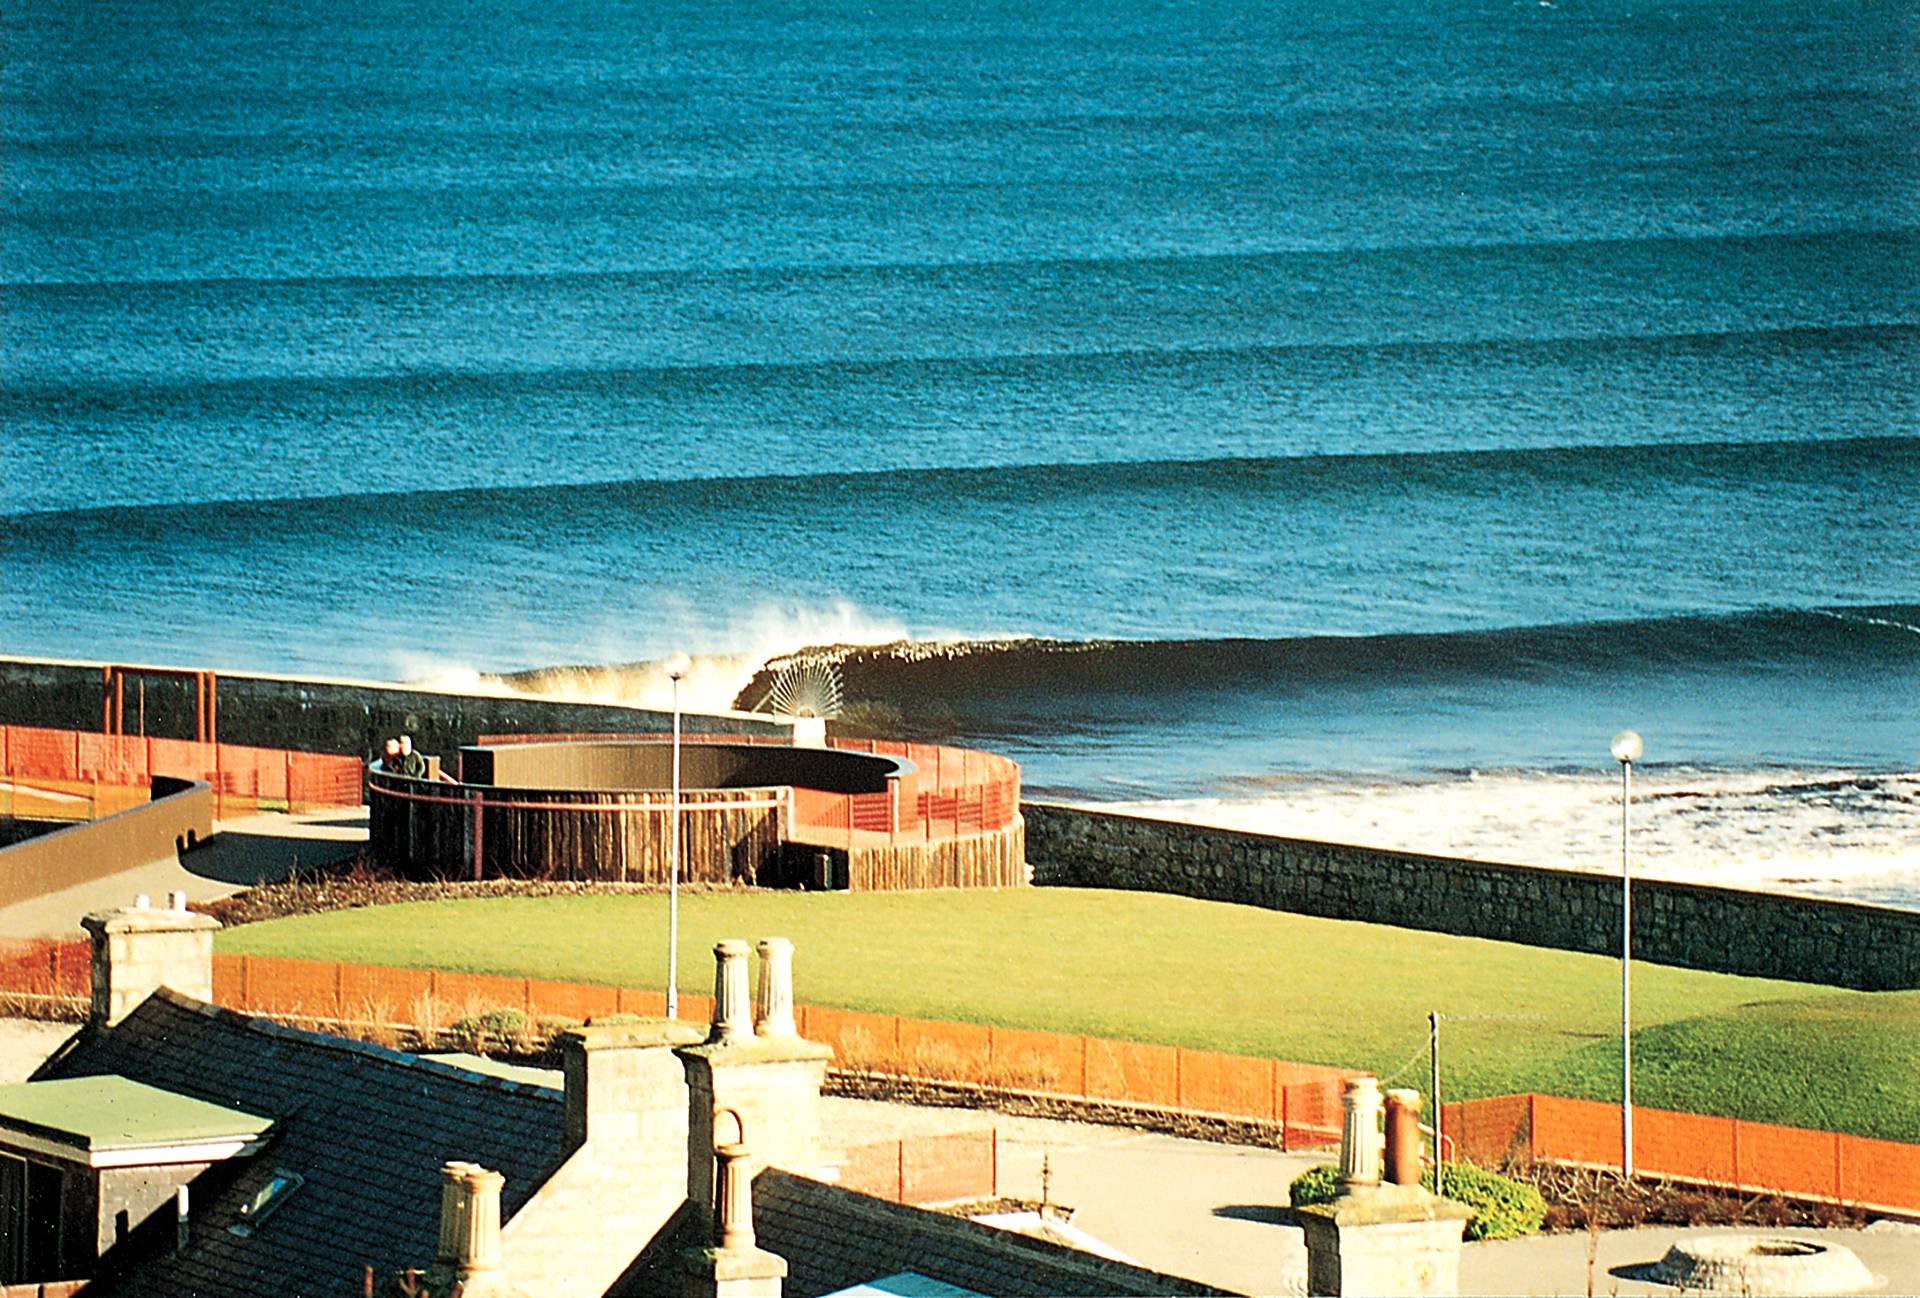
(726, 647)
(1843, 834)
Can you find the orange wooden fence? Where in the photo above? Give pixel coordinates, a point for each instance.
(1751, 1156)
(1301, 1101)
(952, 1168)
(62, 766)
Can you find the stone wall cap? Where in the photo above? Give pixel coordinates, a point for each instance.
(632, 1031)
(759, 1050)
(1385, 1204)
(156, 919)
(733, 1263)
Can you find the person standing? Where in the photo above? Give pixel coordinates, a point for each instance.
(412, 764)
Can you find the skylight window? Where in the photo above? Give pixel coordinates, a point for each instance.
(266, 1201)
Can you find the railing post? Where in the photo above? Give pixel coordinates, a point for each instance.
(479, 833)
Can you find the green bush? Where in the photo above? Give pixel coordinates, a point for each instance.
(501, 1029)
(1503, 1208)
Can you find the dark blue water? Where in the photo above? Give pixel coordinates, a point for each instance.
(428, 340)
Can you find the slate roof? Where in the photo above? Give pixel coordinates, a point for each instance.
(834, 1239)
(367, 1128)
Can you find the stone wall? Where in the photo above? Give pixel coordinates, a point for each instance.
(1729, 930)
(314, 716)
(179, 815)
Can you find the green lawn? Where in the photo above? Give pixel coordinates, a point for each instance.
(1203, 974)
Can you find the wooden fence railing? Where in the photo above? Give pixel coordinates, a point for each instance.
(74, 774)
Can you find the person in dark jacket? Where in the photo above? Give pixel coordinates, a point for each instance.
(412, 764)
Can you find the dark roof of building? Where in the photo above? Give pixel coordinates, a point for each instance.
(834, 1239)
(366, 1128)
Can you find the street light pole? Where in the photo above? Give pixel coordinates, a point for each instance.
(677, 667)
(1627, 748)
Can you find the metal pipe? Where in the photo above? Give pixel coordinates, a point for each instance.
(675, 670)
(1439, 1137)
(1626, 977)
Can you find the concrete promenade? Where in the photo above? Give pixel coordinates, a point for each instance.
(241, 853)
(1218, 1213)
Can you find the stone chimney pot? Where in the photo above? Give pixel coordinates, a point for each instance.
(1360, 1134)
(732, 1013)
(773, 1008)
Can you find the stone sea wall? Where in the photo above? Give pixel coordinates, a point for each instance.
(1725, 929)
(319, 716)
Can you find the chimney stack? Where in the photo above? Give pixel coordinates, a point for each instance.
(772, 1080)
(1396, 1238)
(139, 950)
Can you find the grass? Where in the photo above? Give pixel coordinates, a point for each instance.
(1213, 976)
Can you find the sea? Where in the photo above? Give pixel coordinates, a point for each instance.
(1329, 419)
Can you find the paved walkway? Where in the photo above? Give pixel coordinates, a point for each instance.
(241, 853)
(1218, 1213)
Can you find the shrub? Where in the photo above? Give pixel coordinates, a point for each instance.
(501, 1029)
(1502, 1207)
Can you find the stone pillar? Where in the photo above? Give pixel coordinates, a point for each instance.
(1384, 1240)
(624, 1088)
(773, 1008)
(139, 950)
(732, 1266)
(1360, 1134)
(732, 1015)
(1403, 1137)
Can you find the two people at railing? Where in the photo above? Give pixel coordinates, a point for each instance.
(399, 758)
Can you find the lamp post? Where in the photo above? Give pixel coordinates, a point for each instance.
(1627, 748)
(677, 668)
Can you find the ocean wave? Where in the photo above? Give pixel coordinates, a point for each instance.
(1849, 835)
(784, 271)
(95, 394)
(1277, 476)
(954, 676)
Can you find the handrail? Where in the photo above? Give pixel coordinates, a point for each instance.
(618, 807)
